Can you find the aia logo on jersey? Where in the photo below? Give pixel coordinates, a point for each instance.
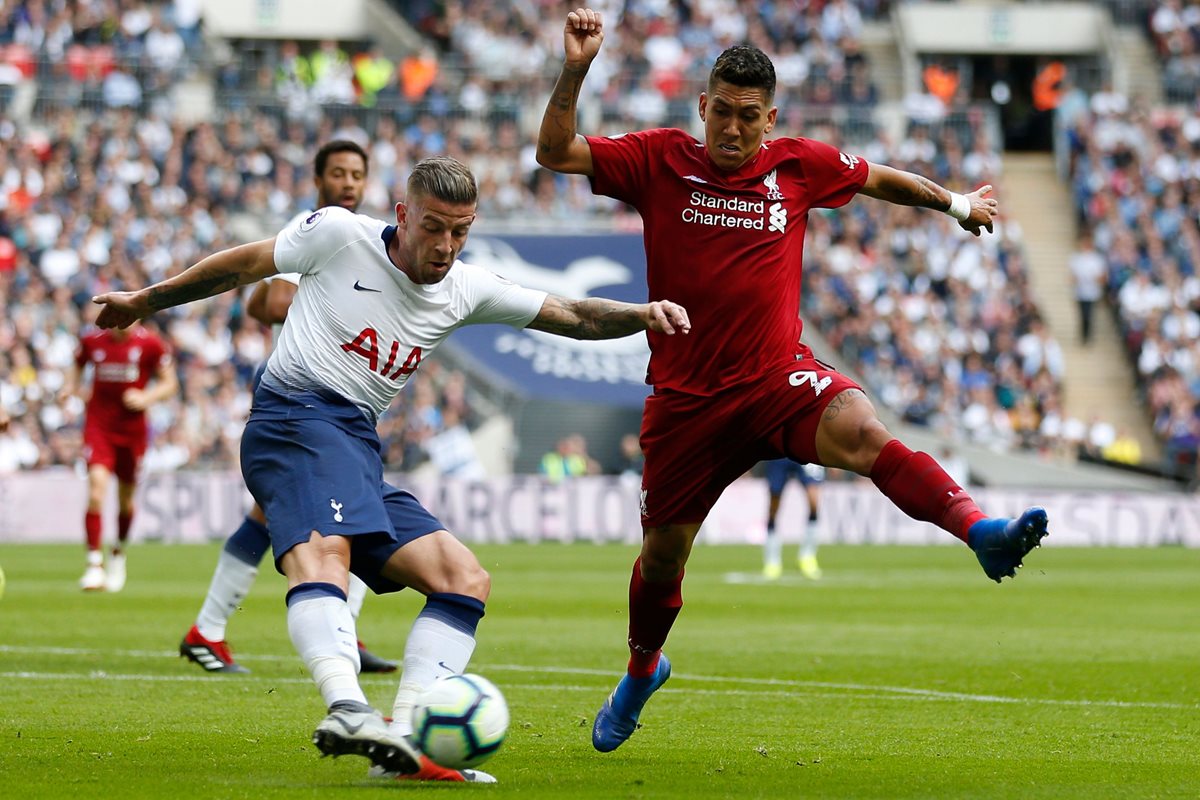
(366, 345)
(850, 161)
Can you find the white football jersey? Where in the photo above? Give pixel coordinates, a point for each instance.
(358, 326)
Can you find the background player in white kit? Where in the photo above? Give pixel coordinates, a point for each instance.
(340, 171)
(374, 301)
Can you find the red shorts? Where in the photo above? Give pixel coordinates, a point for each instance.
(696, 446)
(121, 456)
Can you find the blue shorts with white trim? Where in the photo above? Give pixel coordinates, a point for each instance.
(312, 462)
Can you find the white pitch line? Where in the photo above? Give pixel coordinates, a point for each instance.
(781, 687)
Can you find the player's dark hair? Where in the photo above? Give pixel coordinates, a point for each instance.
(338, 146)
(746, 66)
(445, 179)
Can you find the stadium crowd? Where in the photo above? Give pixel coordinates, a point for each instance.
(1136, 179)
(1175, 32)
(99, 193)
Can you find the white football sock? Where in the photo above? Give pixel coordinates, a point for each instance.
(231, 581)
(809, 547)
(434, 650)
(355, 595)
(322, 631)
(772, 547)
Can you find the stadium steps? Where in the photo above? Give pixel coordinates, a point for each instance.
(883, 54)
(1099, 380)
(1137, 66)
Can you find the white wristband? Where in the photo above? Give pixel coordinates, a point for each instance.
(960, 206)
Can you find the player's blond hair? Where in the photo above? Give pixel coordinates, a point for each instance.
(444, 178)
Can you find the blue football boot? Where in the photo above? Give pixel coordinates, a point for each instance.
(617, 718)
(1001, 543)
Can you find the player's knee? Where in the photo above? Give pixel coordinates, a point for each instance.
(466, 578)
(659, 567)
(863, 443)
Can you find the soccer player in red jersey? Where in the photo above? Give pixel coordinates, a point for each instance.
(724, 234)
(114, 431)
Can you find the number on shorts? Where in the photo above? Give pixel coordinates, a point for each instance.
(801, 377)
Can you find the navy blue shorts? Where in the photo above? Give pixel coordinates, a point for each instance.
(780, 469)
(312, 474)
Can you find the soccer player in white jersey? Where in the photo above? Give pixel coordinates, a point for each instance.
(340, 177)
(374, 301)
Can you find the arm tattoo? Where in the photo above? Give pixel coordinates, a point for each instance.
(920, 192)
(593, 318)
(558, 123)
(161, 297)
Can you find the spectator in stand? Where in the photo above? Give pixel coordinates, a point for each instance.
(568, 459)
(1088, 274)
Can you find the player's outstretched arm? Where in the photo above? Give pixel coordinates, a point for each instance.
(601, 318)
(220, 272)
(560, 147)
(974, 211)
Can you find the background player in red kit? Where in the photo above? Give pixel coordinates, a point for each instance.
(114, 432)
(724, 234)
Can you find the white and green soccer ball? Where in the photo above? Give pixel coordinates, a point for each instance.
(461, 721)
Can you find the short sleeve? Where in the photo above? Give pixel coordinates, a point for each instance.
(497, 300)
(287, 277)
(82, 353)
(160, 355)
(833, 178)
(307, 243)
(620, 163)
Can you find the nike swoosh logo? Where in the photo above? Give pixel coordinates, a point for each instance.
(442, 664)
(342, 630)
(365, 289)
(351, 729)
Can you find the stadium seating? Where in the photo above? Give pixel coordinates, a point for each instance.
(909, 300)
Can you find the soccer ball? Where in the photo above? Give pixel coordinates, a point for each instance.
(460, 721)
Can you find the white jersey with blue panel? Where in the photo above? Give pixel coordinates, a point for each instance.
(359, 327)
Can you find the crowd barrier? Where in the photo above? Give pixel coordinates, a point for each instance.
(194, 507)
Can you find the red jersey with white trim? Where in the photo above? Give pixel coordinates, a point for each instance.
(728, 246)
(120, 361)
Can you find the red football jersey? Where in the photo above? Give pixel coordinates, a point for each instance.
(120, 362)
(727, 246)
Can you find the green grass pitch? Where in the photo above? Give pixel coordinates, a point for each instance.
(903, 674)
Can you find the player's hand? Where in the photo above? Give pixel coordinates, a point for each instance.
(135, 400)
(120, 309)
(582, 37)
(663, 316)
(3, 419)
(983, 211)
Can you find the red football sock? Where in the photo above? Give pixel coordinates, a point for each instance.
(653, 608)
(91, 524)
(123, 523)
(921, 488)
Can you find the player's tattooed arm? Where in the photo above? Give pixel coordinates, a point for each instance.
(560, 147)
(601, 318)
(217, 273)
(909, 189)
(558, 137)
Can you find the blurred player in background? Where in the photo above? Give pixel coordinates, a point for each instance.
(122, 362)
(810, 477)
(374, 302)
(340, 177)
(724, 223)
